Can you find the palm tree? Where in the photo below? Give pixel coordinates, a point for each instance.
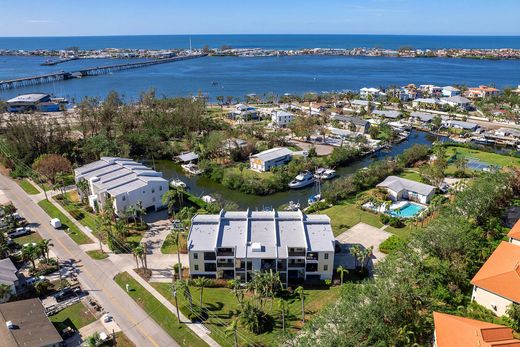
(5, 292)
(184, 287)
(140, 211)
(83, 187)
(201, 282)
(283, 311)
(341, 270)
(232, 328)
(301, 293)
(44, 246)
(31, 252)
(139, 254)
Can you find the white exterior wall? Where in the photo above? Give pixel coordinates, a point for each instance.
(514, 241)
(150, 196)
(199, 262)
(325, 274)
(491, 300)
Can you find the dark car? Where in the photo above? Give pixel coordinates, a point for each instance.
(64, 294)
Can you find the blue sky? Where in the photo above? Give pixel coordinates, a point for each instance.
(142, 17)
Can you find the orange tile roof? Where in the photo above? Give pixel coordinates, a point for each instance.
(453, 331)
(515, 231)
(500, 274)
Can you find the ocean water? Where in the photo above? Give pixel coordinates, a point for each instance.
(239, 76)
(261, 41)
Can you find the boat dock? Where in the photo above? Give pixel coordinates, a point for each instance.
(93, 71)
(51, 62)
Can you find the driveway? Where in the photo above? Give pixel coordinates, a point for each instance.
(360, 234)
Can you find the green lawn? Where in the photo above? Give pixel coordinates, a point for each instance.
(223, 305)
(32, 237)
(28, 187)
(97, 254)
(162, 316)
(76, 316)
(411, 174)
(75, 234)
(345, 216)
(487, 157)
(169, 246)
(86, 218)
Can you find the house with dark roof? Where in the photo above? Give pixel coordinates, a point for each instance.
(9, 276)
(360, 125)
(497, 284)
(24, 323)
(459, 331)
(404, 189)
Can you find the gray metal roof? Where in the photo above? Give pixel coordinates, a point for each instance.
(457, 100)
(8, 272)
(186, 157)
(398, 184)
(387, 113)
(461, 124)
(350, 119)
(274, 231)
(273, 153)
(30, 98)
(424, 117)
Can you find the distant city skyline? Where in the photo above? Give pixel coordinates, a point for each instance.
(163, 17)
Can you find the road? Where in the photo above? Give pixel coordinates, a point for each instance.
(94, 276)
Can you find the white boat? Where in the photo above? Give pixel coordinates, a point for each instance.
(314, 199)
(208, 199)
(293, 206)
(324, 174)
(302, 180)
(191, 168)
(177, 183)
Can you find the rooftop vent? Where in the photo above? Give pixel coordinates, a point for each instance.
(256, 247)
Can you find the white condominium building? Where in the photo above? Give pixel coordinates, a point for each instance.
(238, 244)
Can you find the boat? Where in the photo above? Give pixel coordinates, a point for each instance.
(208, 199)
(293, 206)
(314, 199)
(324, 174)
(191, 168)
(177, 183)
(302, 180)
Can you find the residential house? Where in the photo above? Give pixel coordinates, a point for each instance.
(514, 234)
(125, 181)
(450, 91)
(421, 117)
(281, 119)
(390, 114)
(233, 144)
(35, 102)
(238, 244)
(187, 157)
(243, 112)
(355, 124)
(458, 124)
(497, 284)
(459, 331)
(427, 102)
(457, 101)
(431, 90)
(409, 92)
(10, 276)
(24, 323)
(507, 132)
(270, 158)
(482, 92)
(375, 93)
(404, 189)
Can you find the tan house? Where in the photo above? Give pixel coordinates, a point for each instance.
(497, 284)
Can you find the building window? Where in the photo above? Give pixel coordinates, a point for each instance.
(325, 267)
(124, 198)
(153, 199)
(160, 188)
(195, 255)
(153, 190)
(196, 267)
(326, 256)
(144, 191)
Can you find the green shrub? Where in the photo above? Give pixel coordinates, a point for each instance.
(384, 218)
(391, 244)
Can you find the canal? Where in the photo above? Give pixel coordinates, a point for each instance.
(199, 185)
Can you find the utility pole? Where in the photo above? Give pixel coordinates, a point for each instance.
(176, 305)
(114, 337)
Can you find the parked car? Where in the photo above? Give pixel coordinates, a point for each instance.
(64, 294)
(31, 281)
(18, 232)
(55, 223)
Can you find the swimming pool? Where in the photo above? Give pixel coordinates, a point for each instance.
(408, 211)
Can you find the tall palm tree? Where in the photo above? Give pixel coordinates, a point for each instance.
(44, 246)
(83, 187)
(283, 311)
(184, 287)
(341, 270)
(139, 254)
(31, 253)
(232, 328)
(301, 293)
(201, 282)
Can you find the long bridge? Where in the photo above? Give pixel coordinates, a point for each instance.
(93, 71)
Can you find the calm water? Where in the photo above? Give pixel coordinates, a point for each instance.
(238, 76)
(200, 186)
(260, 41)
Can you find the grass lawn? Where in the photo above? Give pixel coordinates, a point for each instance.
(76, 316)
(75, 234)
(97, 254)
(162, 316)
(123, 341)
(487, 157)
(222, 305)
(411, 174)
(169, 246)
(345, 216)
(28, 187)
(32, 237)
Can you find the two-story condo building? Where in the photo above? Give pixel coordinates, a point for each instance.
(124, 181)
(238, 244)
(281, 118)
(270, 158)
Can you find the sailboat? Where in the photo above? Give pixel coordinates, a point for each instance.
(316, 197)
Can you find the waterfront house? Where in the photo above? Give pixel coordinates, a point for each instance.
(10, 276)
(457, 101)
(243, 112)
(450, 91)
(24, 323)
(421, 117)
(270, 158)
(427, 102)
(238, 244)
(404, 189)
(514, 234)
(458, 124)
(187, 157)
(430, 90)
(507, 132)
(281, 118)
(497, 284)
(482, 92)
(459, 331)
(390, 114)
(354, 124)
(125, 181)
(375, 93)
(35, 102)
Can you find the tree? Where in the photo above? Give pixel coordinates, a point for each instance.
(138, 255)
(436, 122)
(513, 313)
(253, 318)
(5, 292)
(283, 312)
(51, 165)
(461, 163)
(83, 189)
(171, 197)
(201, 282)
(30, 253)
(301, 293)
(183, 286)
(41, 287)
(342, 271)
(232, 329)
(44, 246)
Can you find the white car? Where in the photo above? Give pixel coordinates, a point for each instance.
(55, 223)
(19, 232)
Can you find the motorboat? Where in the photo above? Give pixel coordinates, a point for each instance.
(302, 180)
(293, 206)
(208, 199)
(191, 168)
(324, 174)
(177, 183)
(314, 199)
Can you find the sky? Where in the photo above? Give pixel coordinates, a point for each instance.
(150, 17)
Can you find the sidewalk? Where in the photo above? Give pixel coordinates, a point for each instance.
(197, 328)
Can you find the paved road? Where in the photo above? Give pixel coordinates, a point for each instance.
(94, 276)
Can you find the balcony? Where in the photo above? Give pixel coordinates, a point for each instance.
(297, 252)
(210, 267)
(296, 265)
(225, 264)
(209, 256)
(225, 252)
(311, 267)
(312, 256)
